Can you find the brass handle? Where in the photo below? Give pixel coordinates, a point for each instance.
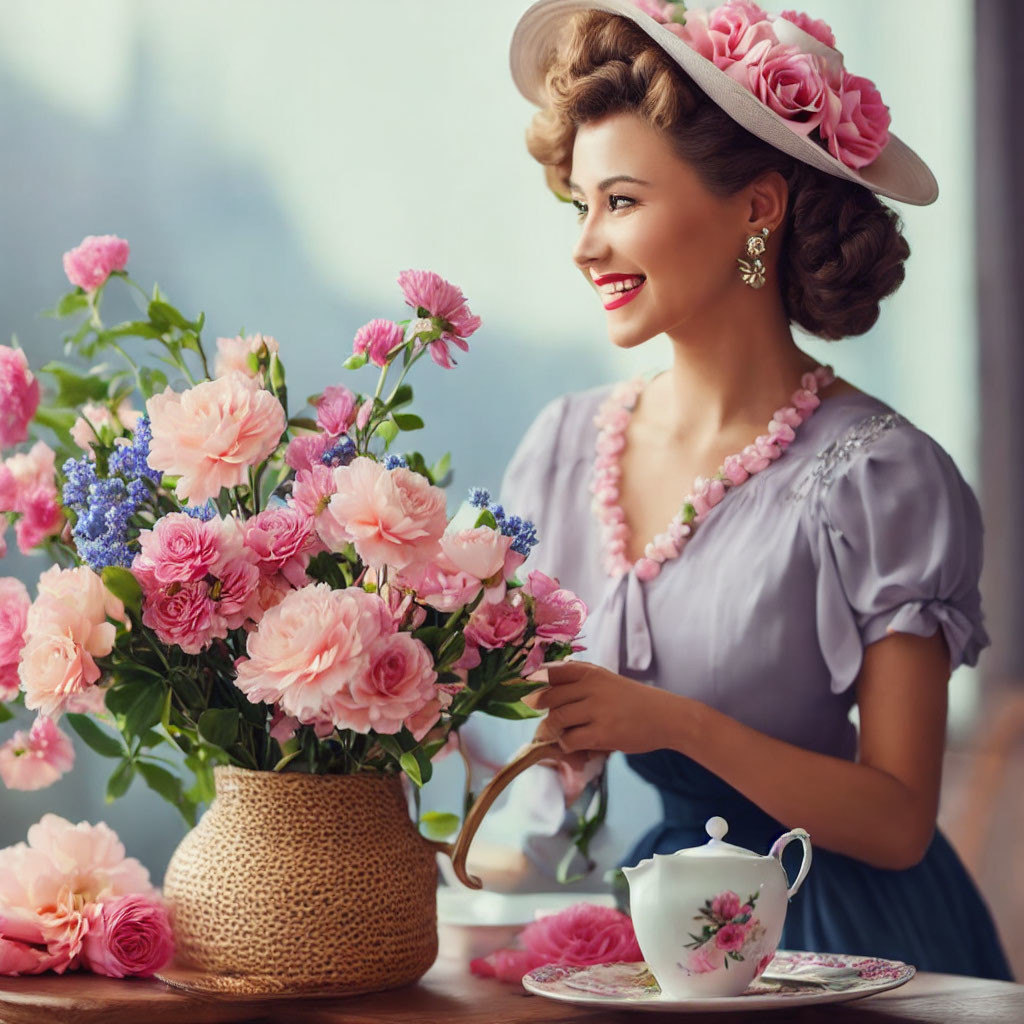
(459, 850)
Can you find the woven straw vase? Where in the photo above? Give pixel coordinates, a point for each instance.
(295, 883)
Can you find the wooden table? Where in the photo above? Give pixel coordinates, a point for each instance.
(448, 994)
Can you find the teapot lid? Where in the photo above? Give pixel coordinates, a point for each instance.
(716, 847)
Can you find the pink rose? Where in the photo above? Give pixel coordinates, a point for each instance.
(558, 614)
(481, 552)
(421, 722)
(440, 584)
(311, 648)
(37, 758)
(376, 339)
(394, 517)
(789, 82)
(179, 549)
(731, 937)
(728, 33)
(726, 905)
(496, 625)
(336, 410)
(19, 396)
(235, 355)
(283, 540)
(14, 605)
(857, 127)
(210, 435)
(181, 614)
(91, 262)
(130, 936)
(398, 682)
(812, 26)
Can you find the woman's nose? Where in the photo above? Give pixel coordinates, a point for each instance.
(590, 246)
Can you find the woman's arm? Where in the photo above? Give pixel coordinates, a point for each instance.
(880, 809)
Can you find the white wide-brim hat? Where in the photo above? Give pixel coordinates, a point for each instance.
(897, 172)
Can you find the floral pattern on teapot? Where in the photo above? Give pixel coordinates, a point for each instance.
(730, 931)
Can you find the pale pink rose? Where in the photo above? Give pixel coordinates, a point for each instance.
(283, 541)
(19, 396)
(731, 936)
(421, 722)
(727, 33)
(56, 667)
(558, 614)
(789, 82)
(130, 936)
(857, 127)
(336, 410)
(583, 934)
(95, 416)
(479, 551)
(83, 590)
(234, 354)
(812, 26)
(496, 625)
(364, 414)
(304, 451)
(312, 491)
(182, 614)
(397, 683)
(178, 549)
(213, 433)
(310, 648)
(94, 259)
(394, 517)
(725, 905)
(14, 605)
(441, 585)
(37, 758)
(377, 339)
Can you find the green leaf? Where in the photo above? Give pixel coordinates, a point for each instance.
(163, 315)
(147, 710)
(486, 518)
(6, 714)
(515, 711)
(161, 781)
(387, 430)
(219, 726)
(403, 396)
(120, 780)
(124, 586)
(355, 362)
(100, 741)
(440, 468)
(437, 825)
(70, 303)
(152, 381)
(417, 766)
(408, 421)
(74, 388)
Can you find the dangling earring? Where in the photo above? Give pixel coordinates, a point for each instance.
(753, 273)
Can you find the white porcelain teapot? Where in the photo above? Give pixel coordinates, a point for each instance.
(708, 919)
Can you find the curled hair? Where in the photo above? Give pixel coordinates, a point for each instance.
(842, 249)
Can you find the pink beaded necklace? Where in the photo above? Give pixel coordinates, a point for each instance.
(612, 420)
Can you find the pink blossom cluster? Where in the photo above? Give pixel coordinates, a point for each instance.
(91, 262)
(37, 758)
(67, 628)
(791, 65)
(578, 936)
(94, 418)
(733, 926)
(28, 488)
(70, 899)
(19, 396)
(336, 659)
(212, 434)
(238, 354)
(612, 419)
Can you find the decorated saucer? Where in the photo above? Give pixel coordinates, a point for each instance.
(791, 979)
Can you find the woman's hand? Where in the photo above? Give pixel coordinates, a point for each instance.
(590, 708)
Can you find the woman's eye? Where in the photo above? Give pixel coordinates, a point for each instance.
(581, 207)
(613, 199)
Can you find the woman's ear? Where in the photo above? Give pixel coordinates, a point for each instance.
(767, 200)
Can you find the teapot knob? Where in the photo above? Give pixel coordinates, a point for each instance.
(716, 827)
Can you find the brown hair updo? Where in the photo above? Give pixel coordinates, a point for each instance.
(842, 248)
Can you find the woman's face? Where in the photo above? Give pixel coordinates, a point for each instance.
(671, 242)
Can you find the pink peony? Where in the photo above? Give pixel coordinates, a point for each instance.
(376, 339)
(496, 625)
(580, 935)
(37, 758)
(213, 433)
(397, 683)
(89, 264)
(731, 937)
(83, 590)
(95, 417)
(128, 936)
(336, 410)
(282, 539)
(19, 396)
(812, 26)
(394, 517)
(857, 127)
(310, 648)
(558, 614)
(431, 295)
(236, 355)
(789, 82)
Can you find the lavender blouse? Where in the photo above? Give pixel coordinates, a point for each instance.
(863, 527)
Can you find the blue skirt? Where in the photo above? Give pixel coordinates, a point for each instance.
(930, 915)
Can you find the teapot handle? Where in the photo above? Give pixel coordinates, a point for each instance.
(459, 850)
(781, 843)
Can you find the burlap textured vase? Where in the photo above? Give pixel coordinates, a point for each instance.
(295, 883)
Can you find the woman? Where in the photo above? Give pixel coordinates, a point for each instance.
(725, 169)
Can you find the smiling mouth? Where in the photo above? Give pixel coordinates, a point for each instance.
(622, 295)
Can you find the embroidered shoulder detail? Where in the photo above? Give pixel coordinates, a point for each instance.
(860, 435)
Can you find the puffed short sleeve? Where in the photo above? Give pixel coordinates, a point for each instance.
(899, 550)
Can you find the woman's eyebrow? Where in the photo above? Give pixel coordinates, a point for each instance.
(603, 186)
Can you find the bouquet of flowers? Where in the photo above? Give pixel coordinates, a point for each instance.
(245, 584)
